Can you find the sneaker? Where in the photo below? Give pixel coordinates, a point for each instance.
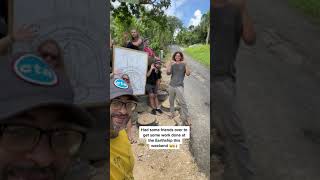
(154, 112)
(159, 110)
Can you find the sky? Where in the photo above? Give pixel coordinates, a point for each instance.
(188, 11)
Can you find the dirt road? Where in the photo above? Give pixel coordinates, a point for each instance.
(197, 92)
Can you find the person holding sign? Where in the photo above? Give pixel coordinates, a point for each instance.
(122, 105)
(136, 41)
(178, 69)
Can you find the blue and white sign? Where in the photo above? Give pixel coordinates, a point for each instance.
(33, 69)
(120, 83)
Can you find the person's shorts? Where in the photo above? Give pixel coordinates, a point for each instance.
(151, 89)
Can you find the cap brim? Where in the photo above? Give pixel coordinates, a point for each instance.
(123, 93)
(79, 115)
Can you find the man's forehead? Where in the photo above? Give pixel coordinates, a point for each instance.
(125, 97)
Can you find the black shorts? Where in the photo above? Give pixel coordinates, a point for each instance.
(151, 89)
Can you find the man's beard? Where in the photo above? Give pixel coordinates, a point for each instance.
(119, 126)
(32, 172)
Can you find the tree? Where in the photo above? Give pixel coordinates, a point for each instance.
(205, 23)
(195, 34)
(157, 6)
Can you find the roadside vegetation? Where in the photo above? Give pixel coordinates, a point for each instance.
(200, 53)
(309, 7)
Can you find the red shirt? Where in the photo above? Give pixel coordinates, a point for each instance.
(149, 51)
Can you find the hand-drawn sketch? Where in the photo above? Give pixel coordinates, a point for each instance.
(134, 63)
(79, 27)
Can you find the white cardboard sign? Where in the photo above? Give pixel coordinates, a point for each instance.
(80, 28)
(135, 64)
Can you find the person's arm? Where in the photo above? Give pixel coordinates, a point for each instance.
(248, 31)
(129, 126)
(24, 33)
(150, 70)
(169, 65)
(125, 39)
(5, 43)
(159, 79)
(188, 71)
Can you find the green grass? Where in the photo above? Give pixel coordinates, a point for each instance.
(309, 7)
(200, 53)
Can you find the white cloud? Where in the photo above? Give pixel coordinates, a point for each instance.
(195, 20)
(116, 4)
(148, 7)
(173, 9)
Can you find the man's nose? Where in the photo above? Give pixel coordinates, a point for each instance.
(123, 109)
(42, 154)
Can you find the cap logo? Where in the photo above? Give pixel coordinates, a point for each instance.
(33, 69)
(120, 83)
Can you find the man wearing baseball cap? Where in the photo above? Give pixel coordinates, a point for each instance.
(41, 130)
(122, 104)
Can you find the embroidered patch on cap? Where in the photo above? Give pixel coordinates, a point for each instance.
(120, 83)
(33, 69)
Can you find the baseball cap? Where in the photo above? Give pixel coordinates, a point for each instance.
(28, 82)
(119, 87)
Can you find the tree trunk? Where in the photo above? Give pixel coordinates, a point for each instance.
(208, 35)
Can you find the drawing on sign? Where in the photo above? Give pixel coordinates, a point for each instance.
(134, 63)
(79, 30)
(78, 49)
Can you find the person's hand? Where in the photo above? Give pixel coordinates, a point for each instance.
(24, 33)
(132, 140)
(153, 66)
(125, 35)
(117, 72)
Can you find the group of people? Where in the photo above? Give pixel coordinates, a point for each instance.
(123, 104)
(177, 68)
(122, 108)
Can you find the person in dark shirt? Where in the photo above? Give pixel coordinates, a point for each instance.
(136, 42)
(230, 23)
(152, 86)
